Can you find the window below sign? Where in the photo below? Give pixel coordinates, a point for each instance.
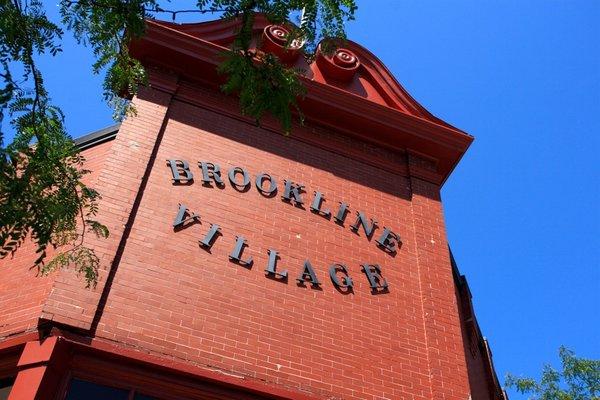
(85, 390)
(5, 385)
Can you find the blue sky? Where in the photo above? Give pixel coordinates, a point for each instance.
(521, 209)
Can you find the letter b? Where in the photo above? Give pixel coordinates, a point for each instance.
(180, 170)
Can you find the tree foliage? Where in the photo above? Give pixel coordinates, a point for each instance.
(41, 190)
(579, 379)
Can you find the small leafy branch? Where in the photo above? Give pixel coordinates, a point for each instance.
(579, 379)
(41, 190)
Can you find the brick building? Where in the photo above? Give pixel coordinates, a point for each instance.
(246, 264)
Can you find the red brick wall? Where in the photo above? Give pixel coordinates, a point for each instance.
(119, 184)
(172, 298)
(161, 293)
(22, 290)
(440, 309)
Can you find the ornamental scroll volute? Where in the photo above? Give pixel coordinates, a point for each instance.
(342, 64)
(275, 41)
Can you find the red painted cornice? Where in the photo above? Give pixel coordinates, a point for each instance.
(373, 106)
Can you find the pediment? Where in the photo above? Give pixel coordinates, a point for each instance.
(352, 68)
(350, 91)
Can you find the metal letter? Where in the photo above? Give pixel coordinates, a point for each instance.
(272, 266)
(308, 273)
(376, 281)
(233, 171)
(389, 241)
(210, 170)
(316, 206)
(340, 217)
(236, 254)
(346, 282)
(293, 191)
(260, 178)
(210, 237)
(180, 170)
(362, 220)
(181, 219)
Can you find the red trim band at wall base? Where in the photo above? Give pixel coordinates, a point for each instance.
(45, 368)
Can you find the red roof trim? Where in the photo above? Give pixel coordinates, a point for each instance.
(180, 49)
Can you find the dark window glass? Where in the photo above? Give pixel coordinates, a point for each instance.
(139, 396)
(83, 390)
(5, 385)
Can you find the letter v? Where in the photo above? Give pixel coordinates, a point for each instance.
(184, 216)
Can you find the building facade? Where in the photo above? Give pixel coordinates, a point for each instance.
(247, 264)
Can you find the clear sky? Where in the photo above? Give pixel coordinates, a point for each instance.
(522, 208)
